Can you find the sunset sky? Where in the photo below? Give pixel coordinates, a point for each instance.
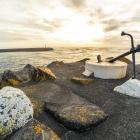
(68, 23)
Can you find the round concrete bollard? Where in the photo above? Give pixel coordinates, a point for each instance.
(106, 70)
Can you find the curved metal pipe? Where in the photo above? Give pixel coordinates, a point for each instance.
(131, 37)
(133, 53)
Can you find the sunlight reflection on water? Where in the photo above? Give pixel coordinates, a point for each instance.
(14, 61)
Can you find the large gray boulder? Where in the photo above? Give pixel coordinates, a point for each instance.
(61, 95)
(71, 110)
(15, 110)
(31, 73)
(77, 116)
(28, 73)
(8, 74)
(34, 130)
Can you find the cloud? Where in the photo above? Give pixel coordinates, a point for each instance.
(112, 24)
(31, 19)
(44, 25)
(136, 17)
(12, 36)
(54, 24)
(76, 4)
(33, 25)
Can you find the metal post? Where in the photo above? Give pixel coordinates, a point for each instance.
(133, 54)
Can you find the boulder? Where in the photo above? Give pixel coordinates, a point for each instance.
(59, 63)
(61, 95)
(130, 87)
(70, 135)
(72, 110)
(13, 82)
(77, 116)
(56, 63)
(3, 84)
(15, 110)
(82, 81)
(8, 74)
(28, 73)
(44, 73)
(31, 73)
(34, 130)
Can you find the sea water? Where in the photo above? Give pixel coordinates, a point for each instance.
(17, 60)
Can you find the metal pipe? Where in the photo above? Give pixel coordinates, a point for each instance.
(136, 49)
(132, 40)
(133, 53)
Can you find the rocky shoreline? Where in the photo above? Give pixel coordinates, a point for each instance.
(74, 107)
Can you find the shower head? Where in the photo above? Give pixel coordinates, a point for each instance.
(123, 33)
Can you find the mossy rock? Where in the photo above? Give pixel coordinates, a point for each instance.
(9, 82)
(34, 130)
(44, 73)
(13, 82)
(77, 117)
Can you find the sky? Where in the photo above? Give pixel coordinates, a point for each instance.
(68, 23)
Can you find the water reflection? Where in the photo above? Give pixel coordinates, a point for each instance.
(18, 60)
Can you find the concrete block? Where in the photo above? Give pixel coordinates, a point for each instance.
(106, 70)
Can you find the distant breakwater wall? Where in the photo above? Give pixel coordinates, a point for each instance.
(25, 50)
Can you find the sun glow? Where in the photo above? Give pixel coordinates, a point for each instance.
(67, 22)
(75, 27)
(78, 31)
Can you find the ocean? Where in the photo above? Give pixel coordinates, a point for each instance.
(17, 60)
